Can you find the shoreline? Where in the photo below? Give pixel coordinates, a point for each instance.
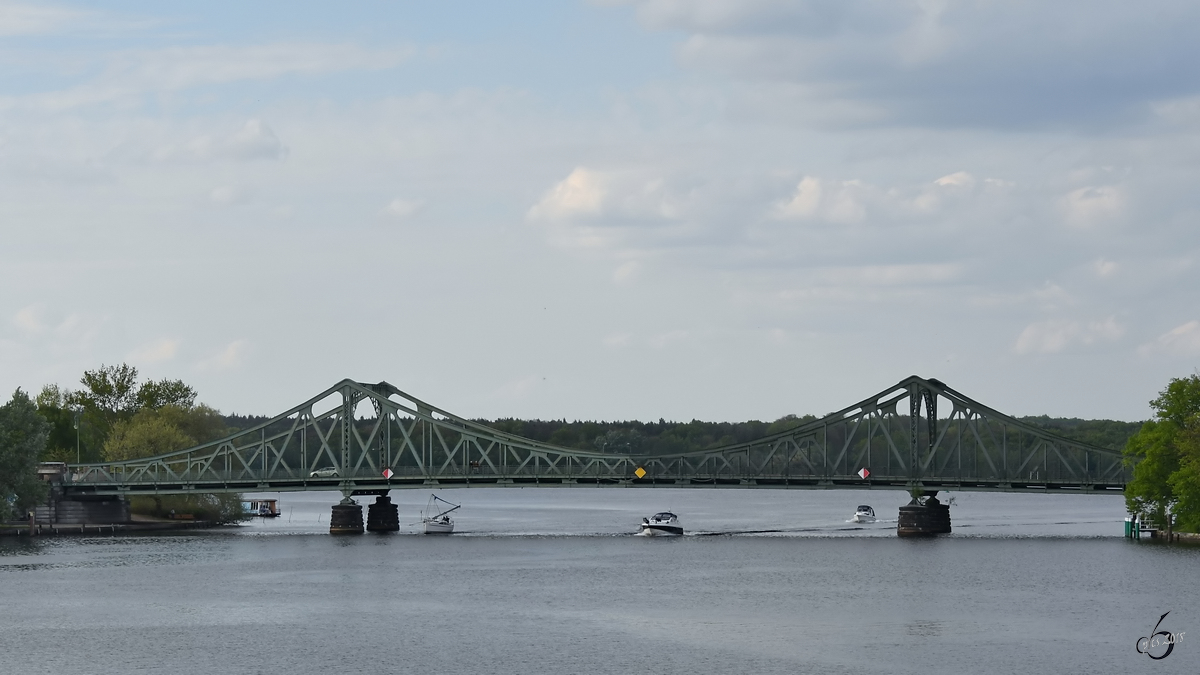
(57, 530)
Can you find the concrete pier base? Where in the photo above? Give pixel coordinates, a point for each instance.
(383, 515)
(346, 518)
(60, 509)
(925, 519)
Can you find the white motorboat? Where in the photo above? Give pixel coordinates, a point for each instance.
(864, 514)
(664, 524)
(436, 519)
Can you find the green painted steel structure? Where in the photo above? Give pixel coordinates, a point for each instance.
(917, 434)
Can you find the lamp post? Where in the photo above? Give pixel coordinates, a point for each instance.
(77, 411)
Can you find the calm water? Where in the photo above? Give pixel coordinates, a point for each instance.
(550, 581)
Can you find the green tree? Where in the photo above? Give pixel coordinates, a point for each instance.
(1185, 481)
(23, 435)
(158, 431)
(166, 392)
(625, 441)
(1179, 403)
(1153, 450)
(111, 389)
(199, 422)
(62, 442)
(1165, 455)
(145, 435)
(111, 396)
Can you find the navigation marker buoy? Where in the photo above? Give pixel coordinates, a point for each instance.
(863, 473)
(387, 473)
(640, 473)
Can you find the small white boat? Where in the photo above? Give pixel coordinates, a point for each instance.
(436, 519)
(664, 524)
(864, 514)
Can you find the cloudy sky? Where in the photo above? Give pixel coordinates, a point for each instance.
(710, 209)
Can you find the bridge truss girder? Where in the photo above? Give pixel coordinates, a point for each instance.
(972, 448)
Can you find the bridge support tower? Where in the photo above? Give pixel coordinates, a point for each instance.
(347, 517)
(923, 517)
(383, 515)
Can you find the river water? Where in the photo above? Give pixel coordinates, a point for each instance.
(551, 581)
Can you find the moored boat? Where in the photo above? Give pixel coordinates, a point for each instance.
(439, 522)
(663, 524)
(263, 508)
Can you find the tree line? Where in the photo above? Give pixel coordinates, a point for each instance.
(663, 437)
(1165, 454)
(112, 416)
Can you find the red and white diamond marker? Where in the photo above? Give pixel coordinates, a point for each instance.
(863, 473)
(387, 473)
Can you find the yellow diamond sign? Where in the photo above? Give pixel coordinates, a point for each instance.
(640, 473)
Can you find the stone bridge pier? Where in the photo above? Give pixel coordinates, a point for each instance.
(347, 515)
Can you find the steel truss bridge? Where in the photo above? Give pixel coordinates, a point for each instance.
(918, 434)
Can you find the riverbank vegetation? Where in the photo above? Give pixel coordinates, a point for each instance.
(22, 436)
(1165, 455)
(114, 417)
(216, 508)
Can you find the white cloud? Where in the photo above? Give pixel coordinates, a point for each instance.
(163, 349)
(627, 271)
(580, 194)
(51, 338)
(1105, 268)
(836, 202)
(519, 388)
(29, 320)
(1182, 340)
(892, 275)
(664, 340)
(232, 356)
(1183, 111)
(230, 195)
(618, 340)
(402, 208)
(683, 207)
(18, 18)
(617, 197)
(1054, 336)
(956, 179)
(1077, 62)
(1089, 205)
(622, 212)
(931, 197)
(1046, 337)
(135, 73)
(255, 140)
(804, 202)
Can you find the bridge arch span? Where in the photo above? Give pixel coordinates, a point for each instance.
(900, 438)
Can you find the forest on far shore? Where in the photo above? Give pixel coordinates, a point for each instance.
(663, 437)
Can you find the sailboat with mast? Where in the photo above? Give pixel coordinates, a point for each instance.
(436, 517)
